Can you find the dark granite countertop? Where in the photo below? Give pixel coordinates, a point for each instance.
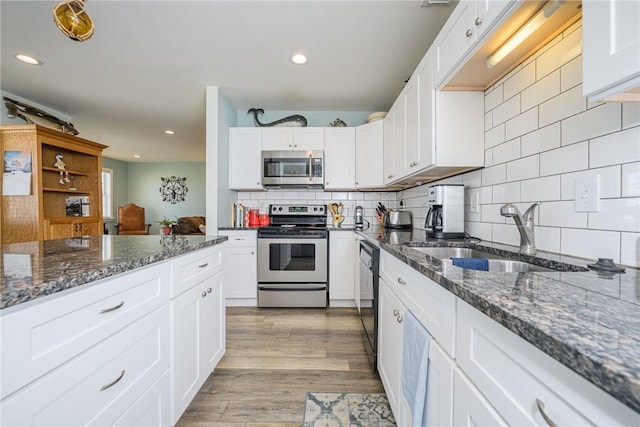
(33, 270)
(586, 321)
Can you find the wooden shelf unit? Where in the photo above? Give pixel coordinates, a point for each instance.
(42, 214)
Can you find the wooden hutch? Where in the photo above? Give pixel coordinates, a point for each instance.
(42, 214)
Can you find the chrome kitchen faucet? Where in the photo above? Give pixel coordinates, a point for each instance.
(526, 228)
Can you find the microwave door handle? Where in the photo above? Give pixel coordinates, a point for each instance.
(310, 168)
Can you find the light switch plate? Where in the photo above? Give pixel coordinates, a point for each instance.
(587, 194)
(475, 201)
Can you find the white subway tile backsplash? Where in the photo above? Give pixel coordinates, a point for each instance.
(543, 139)
(617, 214)
(506, 193)
(609, 182)
(491, 213)
(571, 74)
(481, 230)
(524, 168)
(631, 180)
(601, 120)
(258, 195)
(494, 174)
(494, 136)
(493, 98)
(510, 150)
(620, 147)
(590, 244)
(486, 195)
(521, 124)
(630, 249)
(564, 51)
(356, 196)
(562, 106)
(507, 110)
(488, 120)
(630, 114)
(548, 239)
(472, 179)
(488, 157)
(506, 233)
(561, 214)
(542, 90)
(566, 159)
(540, 189)
(524, 78)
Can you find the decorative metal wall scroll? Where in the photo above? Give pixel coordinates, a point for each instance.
(173, 189)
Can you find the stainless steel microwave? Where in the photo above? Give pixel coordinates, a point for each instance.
(292, 168)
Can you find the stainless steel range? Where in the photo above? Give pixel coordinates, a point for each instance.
(292, 257)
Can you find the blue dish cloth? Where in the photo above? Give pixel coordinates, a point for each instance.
(415, 367)
(481, 264)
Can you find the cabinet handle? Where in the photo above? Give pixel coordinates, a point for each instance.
(252, 252)
(326, 183)
(548, 420)
(238, 238)
(204, 294)
(114, 308)
(401, 281)
(396, 312)
(257, 183)
(389, 176)
(112, 383)
(203, 265)
(289, 145)
(399, 318)
(469, 33)
(208, 290)
(478, 21)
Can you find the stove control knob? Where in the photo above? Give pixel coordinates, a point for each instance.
(280, 208)
(315, 209)
(321, 208)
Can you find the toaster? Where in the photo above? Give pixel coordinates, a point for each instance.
(397, 219)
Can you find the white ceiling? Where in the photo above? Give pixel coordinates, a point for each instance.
(147, 65)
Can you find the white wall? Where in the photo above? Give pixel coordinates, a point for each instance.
(540, 134)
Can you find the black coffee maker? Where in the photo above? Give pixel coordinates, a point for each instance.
(445, 217)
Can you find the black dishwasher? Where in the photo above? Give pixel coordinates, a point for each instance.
(368, 299)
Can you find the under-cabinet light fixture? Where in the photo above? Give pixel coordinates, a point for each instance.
(524, 32)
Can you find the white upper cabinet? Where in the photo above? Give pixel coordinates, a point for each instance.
(292, 138)
(388, 148)
(463, 31)
(611, 50)
(245, 169)
(369, 155)
(339, 158)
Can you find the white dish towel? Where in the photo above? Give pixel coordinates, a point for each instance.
(415, 367)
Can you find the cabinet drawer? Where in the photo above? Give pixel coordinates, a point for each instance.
(433, 306)
(189, 270)
(152, 408)
(514, 376)
(41, 337)
(100, 385)
(240, 237)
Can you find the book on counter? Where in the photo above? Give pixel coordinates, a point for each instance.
(77, 206)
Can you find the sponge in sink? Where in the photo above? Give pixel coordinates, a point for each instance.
(481, 264)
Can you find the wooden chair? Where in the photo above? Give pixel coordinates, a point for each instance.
(131, 220)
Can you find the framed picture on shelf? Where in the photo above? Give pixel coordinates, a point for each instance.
(77, 205)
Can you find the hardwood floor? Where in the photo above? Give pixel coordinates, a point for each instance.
(275, 356)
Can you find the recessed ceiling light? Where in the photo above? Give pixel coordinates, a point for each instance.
(137, 156)
(28, 59)
(298, 58)
(170, 132)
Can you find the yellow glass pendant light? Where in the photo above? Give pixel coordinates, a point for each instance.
(73, 20)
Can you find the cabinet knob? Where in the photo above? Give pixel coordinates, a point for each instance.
(204, 294)
(252, 252)
(257, 183)
(478, 21)
(469, 33)
(208, 290)
(326, 183)
(401, 281)
(389, 176)
(289, 145)
(395, 312)
(399, 318)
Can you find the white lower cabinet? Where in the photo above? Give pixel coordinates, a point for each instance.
(470, 408)
(241, 267)
(341, 267)
(197, 339)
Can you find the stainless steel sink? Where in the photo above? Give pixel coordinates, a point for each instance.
(496, 263)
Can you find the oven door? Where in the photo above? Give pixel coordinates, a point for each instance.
(292, 260)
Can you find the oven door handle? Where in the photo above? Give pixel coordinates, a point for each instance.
(290, 288)
(310, 168)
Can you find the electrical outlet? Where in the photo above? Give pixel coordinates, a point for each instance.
(474, 203)
(587, 194)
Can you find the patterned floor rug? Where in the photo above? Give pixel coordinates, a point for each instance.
(347, 410)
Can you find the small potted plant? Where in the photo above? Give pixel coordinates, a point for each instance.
(165, 225)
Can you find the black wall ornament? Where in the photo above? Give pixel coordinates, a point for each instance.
(173, 189)
(295, 120)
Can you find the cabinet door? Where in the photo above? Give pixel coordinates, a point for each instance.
(245, 157)
(341, 263)
(212, 322)
(277, 138)
(187, 348)
(242, 272)
(399, 158)
(339, 158)
(388, 149)
(412, 125)
(439, 387)
(487, 13)
(369, 141)
(611, 48)
(454, 40)
(306, 138)
(89, 228)
(469, 406)
(390, 310)
(427, 109)
(59, 231)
